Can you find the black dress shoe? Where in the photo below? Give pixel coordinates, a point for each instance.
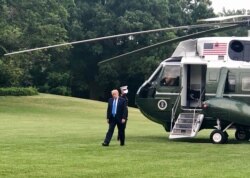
(105, 144)
(122, 144)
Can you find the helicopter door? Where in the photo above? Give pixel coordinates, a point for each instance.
(193, 82)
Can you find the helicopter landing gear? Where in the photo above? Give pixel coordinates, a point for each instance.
(219, 136)
(242, 135)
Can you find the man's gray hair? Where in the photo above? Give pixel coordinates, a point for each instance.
(114, 91)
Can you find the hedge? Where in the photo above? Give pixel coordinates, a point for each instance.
(18, 91)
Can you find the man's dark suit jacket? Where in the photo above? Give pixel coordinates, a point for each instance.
(121, 109)
(126, 99)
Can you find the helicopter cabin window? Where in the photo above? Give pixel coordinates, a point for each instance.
(170, 76)
(230, 83)
(213, 76)
(239, 50)
(246, 84)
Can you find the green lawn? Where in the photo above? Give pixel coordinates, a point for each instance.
(53, 136)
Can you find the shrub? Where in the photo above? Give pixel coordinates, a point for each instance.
(44, 89)
(61, 90)
(18, 91)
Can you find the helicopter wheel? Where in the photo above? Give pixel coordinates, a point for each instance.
(218, 137)
(242, 135)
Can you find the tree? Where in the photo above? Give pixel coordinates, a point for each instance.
(141, 15)
(242, 31)
(74, 70)
(29, 24)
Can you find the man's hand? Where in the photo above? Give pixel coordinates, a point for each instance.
(108, 121)
(123, 121)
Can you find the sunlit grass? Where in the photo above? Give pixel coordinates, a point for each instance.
(53, 136)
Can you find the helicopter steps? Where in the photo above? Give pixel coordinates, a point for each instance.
(187, 125)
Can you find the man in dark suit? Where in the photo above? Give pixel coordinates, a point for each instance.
(116, 115)
(124, 92)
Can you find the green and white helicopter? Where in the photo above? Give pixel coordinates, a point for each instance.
(205, 84)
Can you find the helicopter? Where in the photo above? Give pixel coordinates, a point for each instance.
(205, 84)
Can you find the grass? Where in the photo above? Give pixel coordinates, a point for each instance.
(53, 136)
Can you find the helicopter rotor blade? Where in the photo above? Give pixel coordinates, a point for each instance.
(169, 42)
(123, 35)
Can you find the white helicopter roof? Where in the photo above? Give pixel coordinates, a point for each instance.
(213, 51)
(220, 39)
(232, 18)
(193, 46)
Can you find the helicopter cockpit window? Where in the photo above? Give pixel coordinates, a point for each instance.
(155, 76)
(170, 76)
(149, 87)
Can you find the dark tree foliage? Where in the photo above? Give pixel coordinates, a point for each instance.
(73, 70)
(29, 24)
